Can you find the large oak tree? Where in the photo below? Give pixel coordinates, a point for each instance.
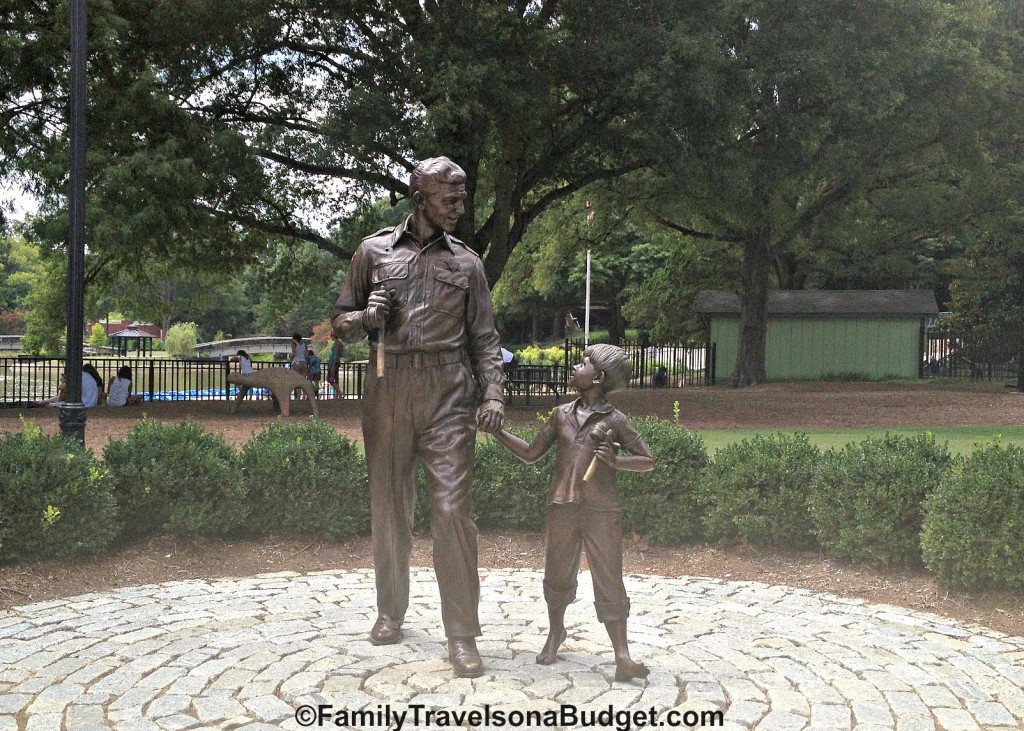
(216, 124)
(853, 137)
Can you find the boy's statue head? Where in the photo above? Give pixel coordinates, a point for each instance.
(613, 363)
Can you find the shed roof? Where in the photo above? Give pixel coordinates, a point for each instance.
(130, 332)
(885, 302)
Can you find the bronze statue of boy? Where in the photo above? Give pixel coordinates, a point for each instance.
(583, 511)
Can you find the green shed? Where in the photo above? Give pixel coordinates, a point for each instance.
(868, 334)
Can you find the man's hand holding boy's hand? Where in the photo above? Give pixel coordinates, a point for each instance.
(491, 416)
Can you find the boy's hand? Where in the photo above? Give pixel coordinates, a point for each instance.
(605, 453)
(490, 416)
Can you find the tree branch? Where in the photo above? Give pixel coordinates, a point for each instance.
(836, 193)
(336, 171)
(693, 233)
(531, 213)
(285, 228)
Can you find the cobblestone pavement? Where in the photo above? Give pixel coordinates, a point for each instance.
(248, 653)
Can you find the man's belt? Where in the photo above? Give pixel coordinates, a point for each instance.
(422, 360)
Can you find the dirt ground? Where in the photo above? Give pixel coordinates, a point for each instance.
(808, 405)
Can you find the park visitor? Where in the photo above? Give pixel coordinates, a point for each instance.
(244, 362)
(92, 386)
(119, 392)
(313, 370)
(334, 365)
(299, 353)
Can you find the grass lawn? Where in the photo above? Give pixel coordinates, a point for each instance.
(960, 439)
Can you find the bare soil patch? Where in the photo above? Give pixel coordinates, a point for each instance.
(783, 405)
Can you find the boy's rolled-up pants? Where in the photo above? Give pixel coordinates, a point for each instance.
(423, 410)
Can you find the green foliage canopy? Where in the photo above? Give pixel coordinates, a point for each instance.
(215, 125)
(182, 339)
(853, 173)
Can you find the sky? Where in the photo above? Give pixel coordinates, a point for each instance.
(14, 202)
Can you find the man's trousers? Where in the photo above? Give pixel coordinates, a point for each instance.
(423, 410)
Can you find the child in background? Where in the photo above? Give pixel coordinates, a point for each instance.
(299, 354)
(244, 362)
(119, 392)
(313, 370)
(334, 365)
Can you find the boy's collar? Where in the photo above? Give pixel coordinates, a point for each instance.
(602, 406)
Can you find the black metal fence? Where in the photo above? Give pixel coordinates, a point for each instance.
(973, 355)
(27, 379)
(658, 365)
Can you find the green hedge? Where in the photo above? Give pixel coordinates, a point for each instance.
(973, 533)
(57, 501)
(889, 501)
(662, 505)
(506, 492)
(177, 479)
(756, 491)
(305, 479)
(867, 499)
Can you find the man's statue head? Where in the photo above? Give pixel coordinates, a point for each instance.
(438, 189)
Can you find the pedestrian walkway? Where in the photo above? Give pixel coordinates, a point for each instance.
(289, 651)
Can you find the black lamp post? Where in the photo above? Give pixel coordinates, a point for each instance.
(71, 413)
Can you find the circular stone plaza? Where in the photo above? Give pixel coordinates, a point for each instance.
(290, 651)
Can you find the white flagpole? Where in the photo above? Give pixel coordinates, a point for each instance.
(586, 316)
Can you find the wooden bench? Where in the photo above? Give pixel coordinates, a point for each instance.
(281, 383)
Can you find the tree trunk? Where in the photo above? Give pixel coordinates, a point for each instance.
(507, 226)
(557, 325)
(165, 325)
(750, 368)
(616, 322)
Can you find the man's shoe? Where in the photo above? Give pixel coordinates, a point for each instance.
(386, 631)
(464, 657)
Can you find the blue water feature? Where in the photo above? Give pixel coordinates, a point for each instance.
(203, 394)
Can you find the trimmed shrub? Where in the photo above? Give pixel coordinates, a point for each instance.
(536, 355)
(756, 491)
(867, 500)
(506, 492)
(973, 533)
(57, 499)
(305, 479)
(176, 478)
(662, 505)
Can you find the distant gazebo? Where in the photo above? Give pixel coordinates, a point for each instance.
(123, 340)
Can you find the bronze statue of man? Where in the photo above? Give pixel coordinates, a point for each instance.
(422, 298)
